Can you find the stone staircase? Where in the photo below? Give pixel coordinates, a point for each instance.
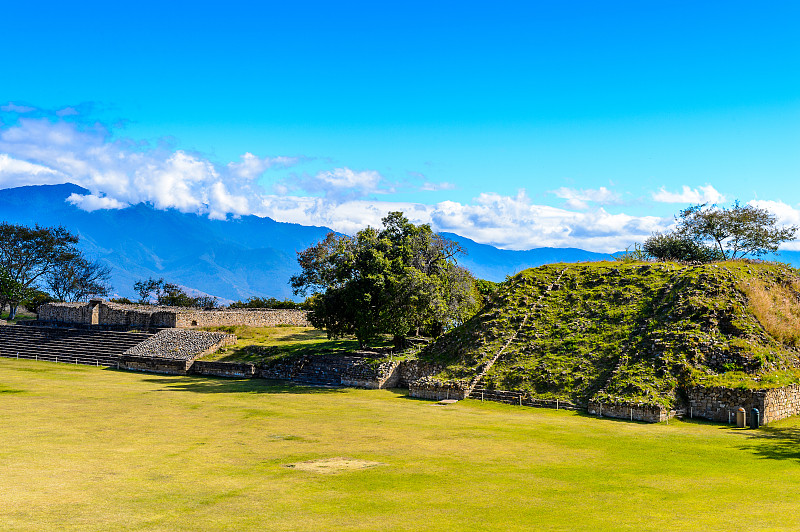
(477, 379)
(72, 346)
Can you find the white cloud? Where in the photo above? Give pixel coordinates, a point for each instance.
(504, 221)
(444, 185)
(703, 194)
(345, 178)
(786, 215)
(252, 167)
(90, 202)
(581, 198)
(17, 173)
(40, 151)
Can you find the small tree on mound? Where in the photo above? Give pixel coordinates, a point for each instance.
(711, 233)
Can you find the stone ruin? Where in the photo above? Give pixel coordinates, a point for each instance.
(98, 313)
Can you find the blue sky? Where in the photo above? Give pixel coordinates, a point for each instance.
(585, 124)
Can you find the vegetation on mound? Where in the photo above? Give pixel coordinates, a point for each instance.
(628, 332)
(267, 344)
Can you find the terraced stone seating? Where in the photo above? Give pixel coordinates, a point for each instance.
(74, 346)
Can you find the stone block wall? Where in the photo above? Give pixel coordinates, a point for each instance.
(632, 412)
(102, 313)
(413, 370)
(519, 398)
(780, 403)
(223, 369)
(187, 318)
(377, 376)
(720, 404)
(169, 366)
(427, 388)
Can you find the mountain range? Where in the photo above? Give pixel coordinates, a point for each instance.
(230, 259)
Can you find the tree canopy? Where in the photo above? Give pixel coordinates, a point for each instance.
(705, 233)
(27, 256)
(395, 280)
(169, 294)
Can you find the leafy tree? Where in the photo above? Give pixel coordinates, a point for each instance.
(27, 255)
(396, 280)
(148, 290)
(77, 279)
(169, 294)
(734, 232)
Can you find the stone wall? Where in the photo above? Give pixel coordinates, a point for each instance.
(720, 404)
(110, 314)
(371, 375)
(223, 369)
(253, 317)
(632, 412)
(520, 398)
(413, 370)
(102, 313)
(170, 366)
(780, 403)
(428, 388)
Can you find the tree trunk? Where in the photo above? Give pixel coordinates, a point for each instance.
(12, 311)
(399, 342)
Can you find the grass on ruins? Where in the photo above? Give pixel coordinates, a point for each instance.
(266, 344)
(83, 448)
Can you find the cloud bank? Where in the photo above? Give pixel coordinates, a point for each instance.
(60, 147)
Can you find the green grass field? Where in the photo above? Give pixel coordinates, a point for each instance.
(83, 448)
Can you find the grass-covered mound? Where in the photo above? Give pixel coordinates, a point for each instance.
(622, 332)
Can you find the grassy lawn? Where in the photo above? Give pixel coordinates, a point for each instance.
(83, 448)
(264, 344)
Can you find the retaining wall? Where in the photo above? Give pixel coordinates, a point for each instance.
(223, 369)
(168, 366)
(633, 412)
(720, 404)
(519, 398)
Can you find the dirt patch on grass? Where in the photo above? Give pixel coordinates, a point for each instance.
(333, 465)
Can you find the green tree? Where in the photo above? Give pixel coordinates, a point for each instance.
(678, 247)
(27, 255)
(396, 280)
(733, 232)
(170, 294)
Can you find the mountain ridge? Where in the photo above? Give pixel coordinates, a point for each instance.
(232, 259)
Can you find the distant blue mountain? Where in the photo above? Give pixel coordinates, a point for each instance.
(493, 264)
(231, 259)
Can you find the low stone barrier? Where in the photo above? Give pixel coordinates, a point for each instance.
(631, 411)
(169, 366)
(521, 399)
(428, 388)
(223, 369)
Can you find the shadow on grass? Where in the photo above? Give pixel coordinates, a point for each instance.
(775, 443)
(221, 385)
